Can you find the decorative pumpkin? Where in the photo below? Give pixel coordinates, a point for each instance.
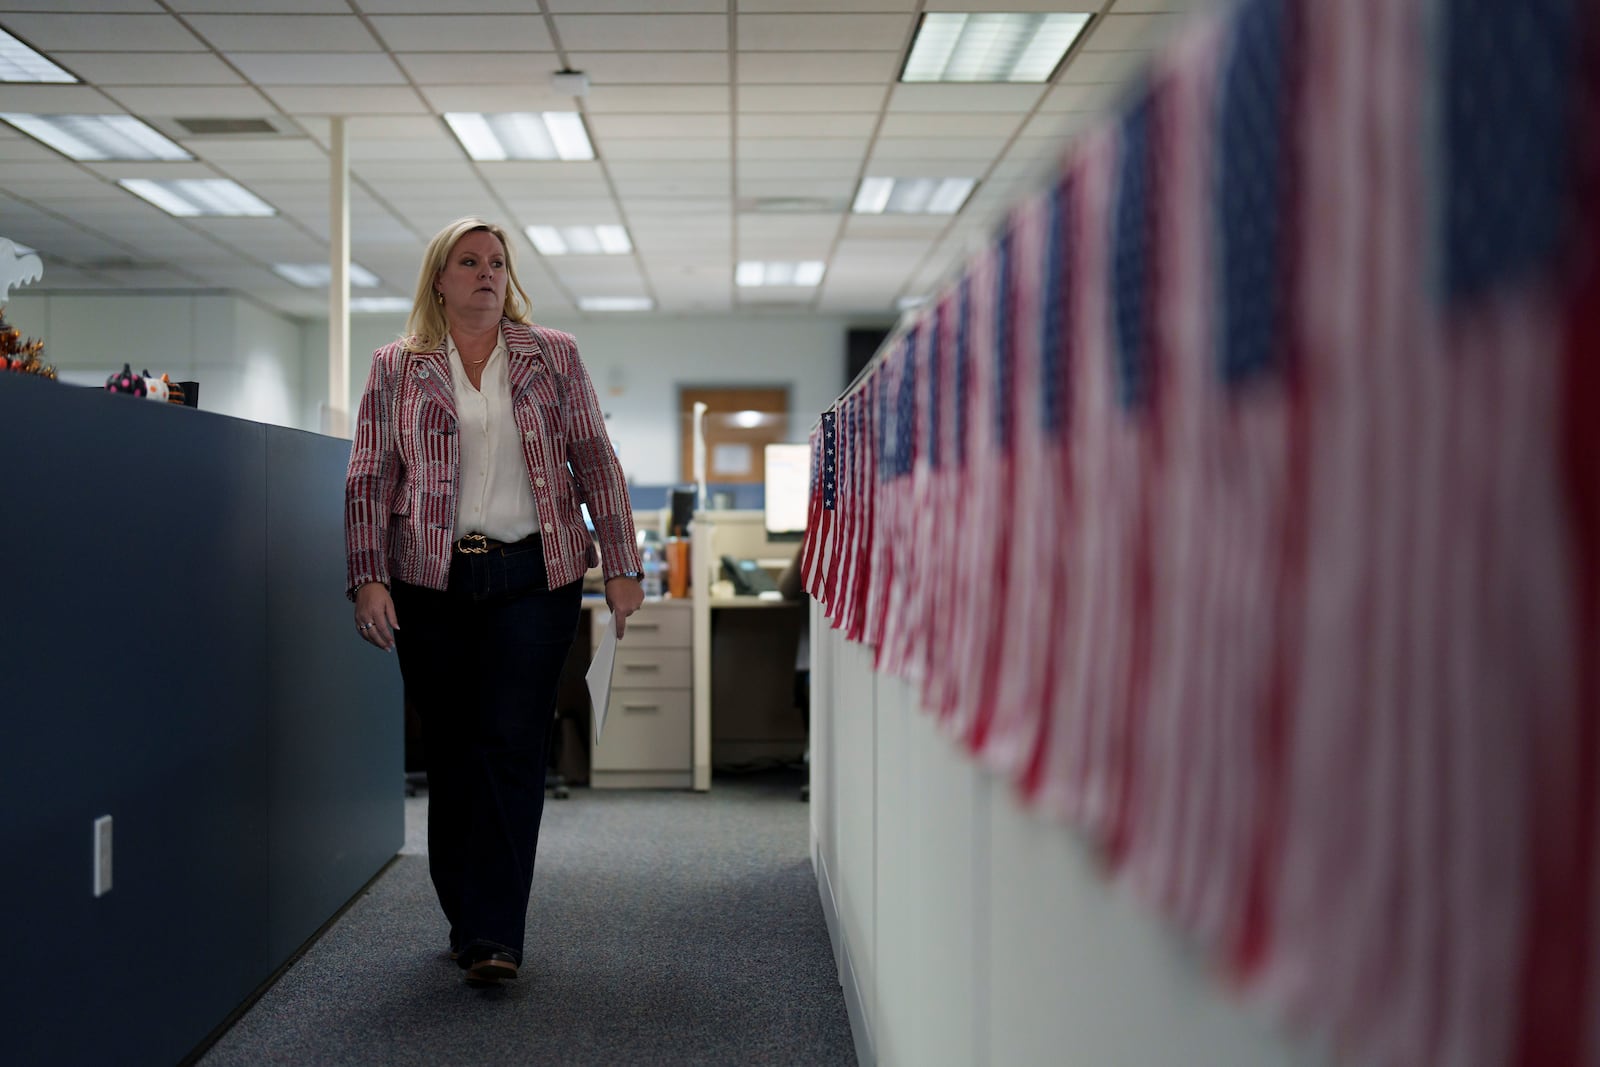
(125, 381)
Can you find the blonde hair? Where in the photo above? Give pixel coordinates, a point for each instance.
(426, 327)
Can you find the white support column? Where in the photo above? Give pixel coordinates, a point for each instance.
(337, 422)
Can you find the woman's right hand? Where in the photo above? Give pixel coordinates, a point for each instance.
(375, 620)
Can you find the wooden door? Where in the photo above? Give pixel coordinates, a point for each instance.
(740, 423)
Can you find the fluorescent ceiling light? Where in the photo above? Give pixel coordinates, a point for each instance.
(380, 303)
(200, 196)
(94, 137)
(953, 47)
(19, 63)
(318, 275)
(747, 419)
(615, 303)
(580, 240)
(754, 272)
(521, 135)
(912, 196)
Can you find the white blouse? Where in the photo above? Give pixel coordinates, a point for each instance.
(495, 498)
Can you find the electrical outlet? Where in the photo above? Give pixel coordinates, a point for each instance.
(102, 855)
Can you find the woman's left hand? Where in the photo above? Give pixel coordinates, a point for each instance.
(623, 597)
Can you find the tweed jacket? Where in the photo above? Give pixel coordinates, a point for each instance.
(401, 487)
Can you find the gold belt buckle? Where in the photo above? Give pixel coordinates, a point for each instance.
(479, 544)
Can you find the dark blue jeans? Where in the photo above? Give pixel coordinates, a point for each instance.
(481, 662)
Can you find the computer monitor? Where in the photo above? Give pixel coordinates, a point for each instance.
(681, 502)
(788, 491)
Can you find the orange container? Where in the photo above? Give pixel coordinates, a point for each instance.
(677, 567)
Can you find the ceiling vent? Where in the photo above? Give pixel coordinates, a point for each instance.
(790, 205)
(227, 127)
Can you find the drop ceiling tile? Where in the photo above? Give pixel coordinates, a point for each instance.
(318, 68)
(423, 127)
(162, 171)
(589, 271)
(823, 33)
(660, 7)
(643, 68)
(103, 33)
(544, 211)
(812, 98)
(347, 100)
(118, 7)
(671, 187)
(228, 101)
(896, 226)
(776, 68)
(668, 212)
(148, 68)
(627, 169)
(969, 149)
(669, 148)
(274, 33)
(56, 100)
(753, 7)
(478, 68)
(944, 124)
(463, 33)
(245, 150)
(608, 127)
(545, 175)
(1091, 67)
(1059, 125)
(259, 7)
(644, 33)
(431, 7)
(865, 251)
(916, 167)
(1123, 33)
(656, 98)
(965, 98)
(246, 171)
(492, 98)
(418, 175)
(806, 148)
(804, 125)
(829, 189)
(20, 148)
(1088, 96)
(799, 168)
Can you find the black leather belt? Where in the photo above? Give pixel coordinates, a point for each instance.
(477, 544)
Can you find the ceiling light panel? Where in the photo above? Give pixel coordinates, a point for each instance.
(97, 137)
(19, 63)
(580, 240)
(615, 303)
(522, 135)
(190, 197)
(912, 196)
(990, 47)
(318, 275)
(754, 273)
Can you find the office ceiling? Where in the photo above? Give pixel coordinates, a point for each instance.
(723, 129)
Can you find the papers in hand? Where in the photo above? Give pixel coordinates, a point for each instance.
(599, 676)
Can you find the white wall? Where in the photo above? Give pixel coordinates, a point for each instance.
(248, 361)
(639, 364)
(970, 930)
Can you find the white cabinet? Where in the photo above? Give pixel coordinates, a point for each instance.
(647, 741)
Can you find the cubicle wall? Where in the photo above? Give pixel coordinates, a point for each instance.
(177, 654)
(969, 930)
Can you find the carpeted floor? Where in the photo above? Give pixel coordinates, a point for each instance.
(665, 928)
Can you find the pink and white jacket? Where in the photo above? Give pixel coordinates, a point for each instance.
(400, 491)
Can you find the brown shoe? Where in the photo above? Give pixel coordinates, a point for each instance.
(492, 969)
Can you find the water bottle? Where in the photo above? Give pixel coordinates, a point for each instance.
(650, 563)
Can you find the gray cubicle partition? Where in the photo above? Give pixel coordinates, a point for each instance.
(175, 652)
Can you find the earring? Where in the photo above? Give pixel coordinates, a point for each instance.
(438, 298)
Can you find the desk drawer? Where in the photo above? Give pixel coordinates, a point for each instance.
(651, 668)
(646, 730)
(658, 626)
